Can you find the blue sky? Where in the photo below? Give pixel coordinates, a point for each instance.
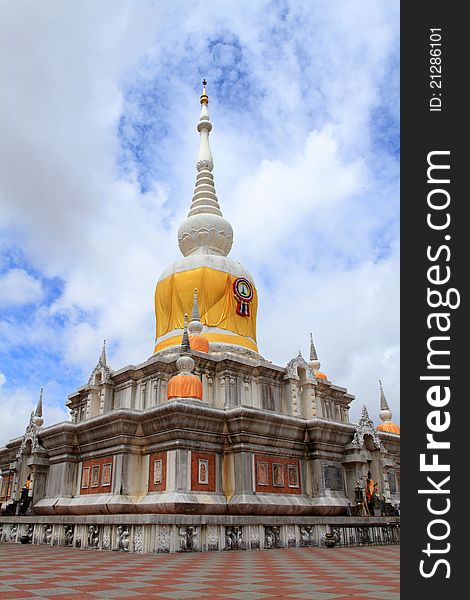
(97, 170)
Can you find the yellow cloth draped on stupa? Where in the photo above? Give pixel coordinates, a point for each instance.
(217, 304)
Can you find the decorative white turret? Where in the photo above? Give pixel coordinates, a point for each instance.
(314, 362)
(102, 371)
(205, 230)
(195, 326)
(185, 384)
(185, 364)
(385, 415)
(32, 430)
(385, 412)
(37, 418)
(196, 340)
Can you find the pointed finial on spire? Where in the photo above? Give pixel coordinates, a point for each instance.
(102, 360)
(36, 417)
(195, 316)
(204, 96)
(185, 349)
(185, 362)
(38, 411)
(195, 327)
(314, 362)
(313, 352)
(385, 412)
(101, 368)
(365, 414)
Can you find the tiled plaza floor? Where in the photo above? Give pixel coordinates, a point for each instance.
(41, 572)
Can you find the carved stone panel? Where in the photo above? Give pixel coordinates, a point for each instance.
(234, 538)
(13, 532)
(272, 536)
(57, 535)
(212, 535)
(93, 537)
(68, 535)
(47, 535)
(37, 533)
(29, 532)
(254, 537)
(80, 536)
(139, 539)
(306, 535)
(291, 543)
(122, 538)
(106, 542)
(188, 538)
(163, 538)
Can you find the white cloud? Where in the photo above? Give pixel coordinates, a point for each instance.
(17, 287)
(16, 408)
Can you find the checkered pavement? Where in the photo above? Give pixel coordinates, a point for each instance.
(41, 572)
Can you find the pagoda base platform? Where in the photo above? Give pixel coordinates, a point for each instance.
(168, 533)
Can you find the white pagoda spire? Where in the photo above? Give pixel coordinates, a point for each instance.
(38, 411)
(205, 231)
(185, 364)
(314, 362)
(204, 198)
(102, 359)
(101, 367)
(195, 326)
(37, 417)
(385, 412)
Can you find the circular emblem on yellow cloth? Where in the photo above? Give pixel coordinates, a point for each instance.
(244, 294)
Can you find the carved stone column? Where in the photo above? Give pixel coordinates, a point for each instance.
(293, 393)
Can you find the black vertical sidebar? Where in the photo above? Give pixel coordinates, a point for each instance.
(435, 528)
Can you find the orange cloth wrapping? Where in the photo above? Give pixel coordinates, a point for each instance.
(199, 343)
(389, 428)
(185, 386)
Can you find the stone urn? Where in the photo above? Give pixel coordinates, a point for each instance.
(330, 541)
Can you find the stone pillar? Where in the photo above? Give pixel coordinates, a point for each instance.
(210, 390)
(182, 458)
(134, 477)
(228, 475)
(163, 390)
(39, 486)
(93, 407)
(221, 396)
(355, 464)
(243, 469)
(255, 393)
(107, 393)
(246, 396)
(293, 393)
(143, 395)
(308, 400)
(62, 479)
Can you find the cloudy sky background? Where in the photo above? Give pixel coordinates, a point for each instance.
(98, 147)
